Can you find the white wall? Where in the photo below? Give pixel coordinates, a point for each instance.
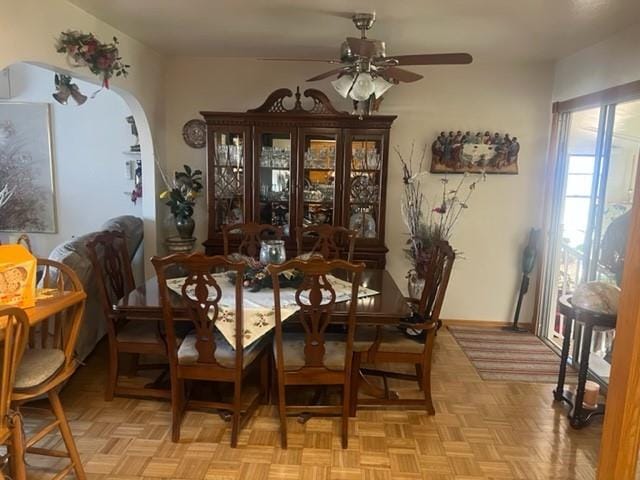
(88, 142)
(614, 61)
(28, 29)
(506, 98)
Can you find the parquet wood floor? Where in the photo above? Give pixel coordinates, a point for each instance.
(482, 430)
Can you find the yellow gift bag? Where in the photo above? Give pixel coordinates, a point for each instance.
(17, 276)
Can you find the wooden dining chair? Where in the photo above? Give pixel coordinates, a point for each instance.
(391, 345)
(204, 354)
(314, 357)
(49, 359)
(13, 336)
(114, 280)
(329, 241)
(251, 234)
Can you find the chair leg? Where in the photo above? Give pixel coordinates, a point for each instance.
(282, 409)
(17, 449)
(67, 436)
(112, 375)
(264, 378)
(419, 375)
(177, 407)
(346, 411)
(426, 386)
(237, 407)
(354, 378)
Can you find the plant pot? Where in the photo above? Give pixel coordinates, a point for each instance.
(185, 227)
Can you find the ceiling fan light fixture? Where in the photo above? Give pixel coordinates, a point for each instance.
(363, 87)
(342, 85)
(380, 86)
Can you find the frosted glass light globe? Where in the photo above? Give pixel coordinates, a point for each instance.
(363, 87)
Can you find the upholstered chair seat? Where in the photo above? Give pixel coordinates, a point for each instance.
(293, 350)
(139, 331)
(38, 366)
(225, 355)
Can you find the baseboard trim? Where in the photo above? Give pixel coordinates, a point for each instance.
(481, 323)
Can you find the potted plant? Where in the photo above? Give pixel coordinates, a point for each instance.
(182, 194)
(429, 221)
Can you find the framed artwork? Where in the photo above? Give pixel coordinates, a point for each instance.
(475, 153)
(27, 197)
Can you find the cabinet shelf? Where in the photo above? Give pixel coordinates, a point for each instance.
(320, 169)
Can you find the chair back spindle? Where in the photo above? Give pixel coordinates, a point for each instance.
(251, 236)
(330, 242)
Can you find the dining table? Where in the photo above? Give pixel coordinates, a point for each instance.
(380, 302)
(387, 305)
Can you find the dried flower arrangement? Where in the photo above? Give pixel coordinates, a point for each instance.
(430, 221)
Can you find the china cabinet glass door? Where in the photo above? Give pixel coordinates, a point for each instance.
(273, 178)
(319, 180)
(228, 171)
(364, 167)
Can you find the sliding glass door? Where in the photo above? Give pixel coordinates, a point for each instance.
(596, 160)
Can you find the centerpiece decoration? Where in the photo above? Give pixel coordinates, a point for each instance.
(429, 221)
(256, 276)
(85, 50)
(182, 193)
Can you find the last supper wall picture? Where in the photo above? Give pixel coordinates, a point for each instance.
(458, 152)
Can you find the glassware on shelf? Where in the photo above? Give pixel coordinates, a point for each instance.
(323, 157)
(272, 251)
(363, 222)
(273, 157)
(365, 158)
(229, 155)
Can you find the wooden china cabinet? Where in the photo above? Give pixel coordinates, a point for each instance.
(299, 165)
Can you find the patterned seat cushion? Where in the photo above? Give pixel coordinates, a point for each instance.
(293, 350)
(225, 355)
(139, 331)
(393, 340)
(38, 366)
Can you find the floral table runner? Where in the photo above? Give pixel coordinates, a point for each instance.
(258, 307)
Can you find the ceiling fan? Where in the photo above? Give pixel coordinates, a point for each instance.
(366, 72)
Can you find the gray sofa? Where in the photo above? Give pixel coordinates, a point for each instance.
(74, 254)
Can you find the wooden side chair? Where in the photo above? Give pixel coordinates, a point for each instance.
(329, 241)
(314, 357)
(205, 354)
(25, 241)
(49, 361)
(114, 280)
(13, 336)
(251, 234)
(390, 344)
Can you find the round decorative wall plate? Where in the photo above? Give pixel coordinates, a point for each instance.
(194, 133)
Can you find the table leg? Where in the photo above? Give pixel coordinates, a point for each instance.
(558, 392)
(577, 416)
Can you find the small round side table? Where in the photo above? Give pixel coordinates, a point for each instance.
(590, 320)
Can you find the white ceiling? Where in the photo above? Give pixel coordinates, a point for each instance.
(491, 30)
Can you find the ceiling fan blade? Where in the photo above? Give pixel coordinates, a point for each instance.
(323, 60)
(434, 59)
(363, 47)
(324, 75)
(400, 74)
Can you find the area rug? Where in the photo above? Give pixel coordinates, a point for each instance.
(515, 357)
